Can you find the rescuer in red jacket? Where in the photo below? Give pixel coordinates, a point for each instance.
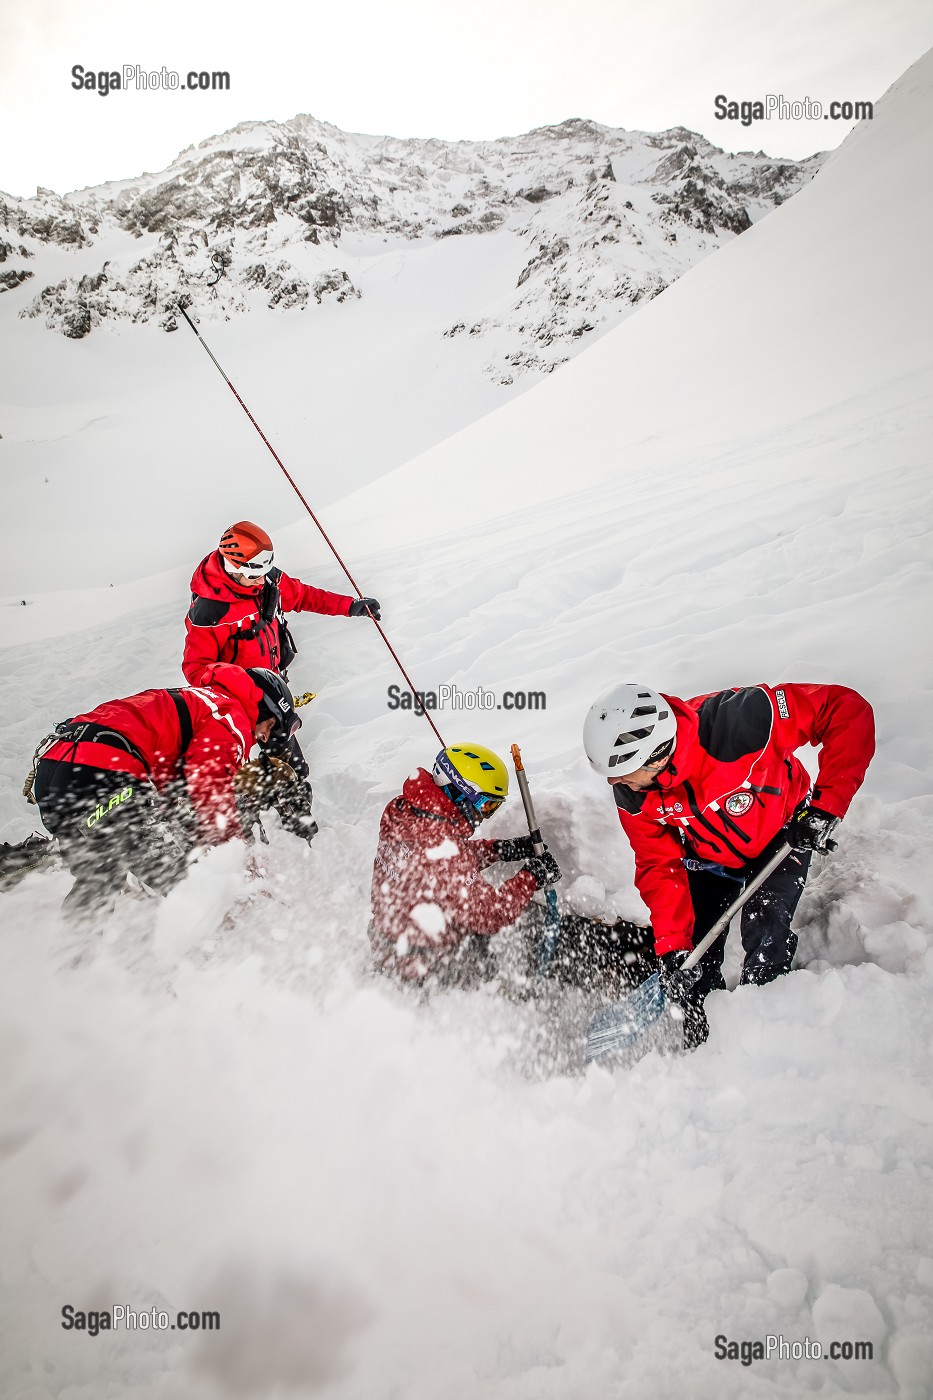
(432, 911)
(237, 614)
(706, 790)
(134, 784)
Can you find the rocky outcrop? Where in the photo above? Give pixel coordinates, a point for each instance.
(335, 283)
(13, 277)
(600, 220)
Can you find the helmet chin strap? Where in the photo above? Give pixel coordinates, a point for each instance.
(464, 805)
(656, 785)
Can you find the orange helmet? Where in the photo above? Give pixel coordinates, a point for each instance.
(246, 549)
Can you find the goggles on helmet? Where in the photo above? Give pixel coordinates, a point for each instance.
(256, 567)
(486, 805)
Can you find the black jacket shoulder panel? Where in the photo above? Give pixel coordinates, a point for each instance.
(207, 612)
(735, 722)
(628, 800)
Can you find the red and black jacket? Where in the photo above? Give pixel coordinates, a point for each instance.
(428, 892)
(204, 752)
(733, 783)
(246, 626)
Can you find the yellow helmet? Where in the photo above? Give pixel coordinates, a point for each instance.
(476, 773)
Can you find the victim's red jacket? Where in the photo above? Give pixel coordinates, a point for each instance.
(223, 714)
(734, 781)
(246, 626)
(428, 892)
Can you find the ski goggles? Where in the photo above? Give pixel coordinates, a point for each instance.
(290, 726)
(257, 567)
(285, 728)
(486, 805)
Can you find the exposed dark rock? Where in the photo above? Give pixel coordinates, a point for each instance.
(13, 278)
(546, 255)
(225, 215)
(334, 283)
(286, 288)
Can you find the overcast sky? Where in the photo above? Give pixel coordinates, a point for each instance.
(477, 69)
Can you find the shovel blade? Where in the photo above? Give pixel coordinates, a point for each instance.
(615, 1028)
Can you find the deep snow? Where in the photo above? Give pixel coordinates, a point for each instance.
(219, 1108)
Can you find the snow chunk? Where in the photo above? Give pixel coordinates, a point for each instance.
(444, 851)
(587, 895)
(430, 919)
(788, 1288)
(849, 1314)
(911, 1359)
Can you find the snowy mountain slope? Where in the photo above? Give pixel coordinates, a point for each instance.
(385, 1199)
(728, 357)
(225, 218)
(479, 267)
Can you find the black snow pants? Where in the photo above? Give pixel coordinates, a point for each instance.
(294, 803)
(765, 921)
(107, 824)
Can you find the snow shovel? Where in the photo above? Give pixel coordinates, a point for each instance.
(552, 927)
(616, 1027)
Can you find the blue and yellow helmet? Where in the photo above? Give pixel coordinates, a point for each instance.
(475, 773)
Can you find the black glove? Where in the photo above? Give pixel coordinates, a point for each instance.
(515, 848)
(681, 988)
(811, 828)
(678, 983)
(544, 869)
(362, 607)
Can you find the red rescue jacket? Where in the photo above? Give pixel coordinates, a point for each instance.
(223, 716)
(428, 892)
(244, 626)
(734, 781)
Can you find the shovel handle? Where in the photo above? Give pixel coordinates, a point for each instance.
(534, 833)
(723, 923)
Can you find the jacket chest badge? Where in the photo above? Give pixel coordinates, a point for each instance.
(738, 803)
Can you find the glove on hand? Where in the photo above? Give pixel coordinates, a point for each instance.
(685, 1001)
(678, 983)
(515, 848)
(544, 869)
(811, 829)
(361, 607)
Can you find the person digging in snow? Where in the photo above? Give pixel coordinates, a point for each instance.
(706, 790)
(433, 913)
(132, 786)
(237, 615)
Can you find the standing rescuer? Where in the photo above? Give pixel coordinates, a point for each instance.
(132, 786)
(238, 604)
(706, 790)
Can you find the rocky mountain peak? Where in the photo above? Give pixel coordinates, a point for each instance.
(596, 220)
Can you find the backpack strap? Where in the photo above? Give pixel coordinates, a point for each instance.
(184, 718)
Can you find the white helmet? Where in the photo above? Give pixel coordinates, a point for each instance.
(626, 727)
